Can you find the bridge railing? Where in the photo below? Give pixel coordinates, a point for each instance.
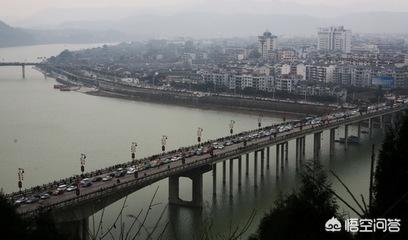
(286, 137)
(145, 180)
(71, 180)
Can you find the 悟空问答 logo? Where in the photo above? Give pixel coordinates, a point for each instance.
(333, 225)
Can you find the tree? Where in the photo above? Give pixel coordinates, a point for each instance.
(13, 226)
(303, 214)
(391, 179)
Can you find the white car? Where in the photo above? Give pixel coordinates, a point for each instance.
(71, 188)
(106, 178)
(131, 170)
(62, 187)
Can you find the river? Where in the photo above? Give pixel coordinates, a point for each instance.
(44, 131)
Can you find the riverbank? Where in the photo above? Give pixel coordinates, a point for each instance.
(206, 106)
(250, 105)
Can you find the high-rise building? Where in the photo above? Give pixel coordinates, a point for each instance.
(334, 39)
(267, 43)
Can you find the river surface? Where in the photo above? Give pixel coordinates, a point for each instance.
(44, 131)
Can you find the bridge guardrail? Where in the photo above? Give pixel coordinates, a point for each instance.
(206, 161)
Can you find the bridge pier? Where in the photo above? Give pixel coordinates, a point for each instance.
(316, 145)
(359, 130)
(247, 164)
(231, 176)
(332, 140)
(239, 170)
(303, 146)
(214, 175)
(297, 153)
(345, 137)
(382, 122)
(267, 157)
(75, 230)
(370, 126)
(286, 151)
(196, 177)
(23, 70)
(282, 155)
(262, 162)
(224, 163)
(393, 119)
(277, 160)
(256, 169)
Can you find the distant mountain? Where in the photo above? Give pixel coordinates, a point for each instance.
(375, 22)
(10, 36)
(203, 25)
(137, 26)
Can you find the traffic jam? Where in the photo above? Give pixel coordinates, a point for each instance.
(158, 163)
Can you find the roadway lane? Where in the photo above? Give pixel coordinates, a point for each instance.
(96, 186)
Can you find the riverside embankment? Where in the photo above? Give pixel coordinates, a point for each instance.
(191, 99)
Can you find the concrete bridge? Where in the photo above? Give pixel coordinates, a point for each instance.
(72, 211)
(20, 64)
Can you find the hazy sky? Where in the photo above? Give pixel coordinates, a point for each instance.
(21, 9)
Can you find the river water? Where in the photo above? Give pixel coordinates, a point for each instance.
(44, 131)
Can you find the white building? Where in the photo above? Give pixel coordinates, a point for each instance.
(267, 43)
(334, 39)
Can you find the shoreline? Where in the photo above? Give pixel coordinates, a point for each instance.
(243, 110)
(232, 104)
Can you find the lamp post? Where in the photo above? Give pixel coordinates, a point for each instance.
(82, 160)
(260, 120)
(20, 178)
(163, 142)
(133, 150)
(231, 126)
(199, 132)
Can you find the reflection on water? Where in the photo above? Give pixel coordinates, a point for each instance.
(44, 131)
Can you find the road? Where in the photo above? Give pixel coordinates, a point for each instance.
(99, 186)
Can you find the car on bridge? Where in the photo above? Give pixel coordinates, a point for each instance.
(86, 182)
(131, 170)
(45, 195)
(120, 172)
(107, 178)
(72, 188)
(60, 190)
(97, 179)
(33, 199)
(20, 201)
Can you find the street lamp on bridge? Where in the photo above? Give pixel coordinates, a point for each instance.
(163, 142)
(133, 150)
(82, 160)
(231, 126)
(260, 120)
(20, 178)
(199, 132)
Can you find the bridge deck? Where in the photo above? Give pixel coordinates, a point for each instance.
(129, 183)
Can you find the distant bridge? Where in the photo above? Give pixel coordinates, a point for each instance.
(75, 210)
(20, 64)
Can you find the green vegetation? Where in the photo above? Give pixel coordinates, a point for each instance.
(303, 214)
(391, 180)
(12, 226)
